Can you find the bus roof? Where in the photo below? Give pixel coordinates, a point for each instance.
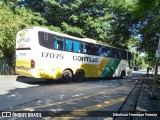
(62, 35)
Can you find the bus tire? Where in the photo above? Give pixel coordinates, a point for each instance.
(123, 73)
(79, 76)
(67, 76)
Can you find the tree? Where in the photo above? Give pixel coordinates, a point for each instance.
(10, 23)
(122, 23)
(147, 12)
(105, 20)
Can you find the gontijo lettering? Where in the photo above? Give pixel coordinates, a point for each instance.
(85, 59)
(23, 40)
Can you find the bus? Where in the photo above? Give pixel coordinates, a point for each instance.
(42, 53)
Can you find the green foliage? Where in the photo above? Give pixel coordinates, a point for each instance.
(147, 13)
(51, 27)
(133, 42)
(140, 61)
(133, 45)
(10, 23)
(75, 31)
(108, 21)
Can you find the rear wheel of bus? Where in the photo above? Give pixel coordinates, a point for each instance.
(79, 76)
(67, 76)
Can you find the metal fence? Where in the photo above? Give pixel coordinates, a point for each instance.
(5, 69)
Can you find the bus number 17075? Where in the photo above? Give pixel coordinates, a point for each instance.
(52, 55)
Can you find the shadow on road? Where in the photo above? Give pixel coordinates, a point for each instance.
(41, 81)
(36, 81)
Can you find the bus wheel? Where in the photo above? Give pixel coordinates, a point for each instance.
(122, 74)
(67, 76)
(79, 76)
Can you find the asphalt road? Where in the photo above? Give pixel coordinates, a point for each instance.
(89, 98)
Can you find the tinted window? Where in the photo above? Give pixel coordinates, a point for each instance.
(106, 51)
(58, 43)
(116, 53)
(46, 39)
(97, 50)
(83, 48)
(129, 56)
(89, 49)
(124, 55)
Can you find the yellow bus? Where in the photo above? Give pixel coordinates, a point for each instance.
(42, 53)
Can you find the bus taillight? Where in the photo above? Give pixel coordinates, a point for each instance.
(32, 64)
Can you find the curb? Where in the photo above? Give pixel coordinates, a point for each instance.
(140, 96)
(8, 76)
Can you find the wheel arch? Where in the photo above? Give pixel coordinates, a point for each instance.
(69, 70)
(80, 69)
(79, 75)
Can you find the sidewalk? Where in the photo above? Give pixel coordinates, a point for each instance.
(145, 103)
(8, 76)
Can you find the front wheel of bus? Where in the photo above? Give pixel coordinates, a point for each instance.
(67, 76)
(79, 76)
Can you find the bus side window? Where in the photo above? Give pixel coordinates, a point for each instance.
(55, 43)
(69, 45)
(124, 55)
(89, 49)
(76, 46)
(129, 56)
(58, 43)
(106, 51)
(118, 53)
(72, 45)
(115, 53)
(97, 50)
(83, 48)
(109, 51)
